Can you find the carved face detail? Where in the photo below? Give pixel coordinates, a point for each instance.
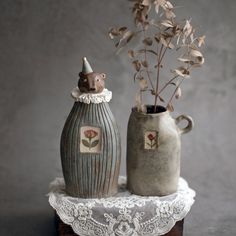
(92, 82)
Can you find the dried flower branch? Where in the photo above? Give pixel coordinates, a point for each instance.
(159, 36)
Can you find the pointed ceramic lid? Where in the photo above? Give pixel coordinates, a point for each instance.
(86, 68)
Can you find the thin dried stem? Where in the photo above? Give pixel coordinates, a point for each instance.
(169, 82)
(145, 57)
(158, 77)
(160, 58)
(163, 54)
(171, 98)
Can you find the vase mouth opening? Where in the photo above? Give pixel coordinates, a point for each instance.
(150, 110)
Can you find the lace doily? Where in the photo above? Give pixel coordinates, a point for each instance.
(104, 96)
(122, 215)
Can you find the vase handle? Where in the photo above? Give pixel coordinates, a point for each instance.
(189, 126)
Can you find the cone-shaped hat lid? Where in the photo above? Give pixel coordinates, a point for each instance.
(86, 69)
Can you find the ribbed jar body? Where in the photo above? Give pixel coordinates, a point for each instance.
(90, 151)
(153, 154)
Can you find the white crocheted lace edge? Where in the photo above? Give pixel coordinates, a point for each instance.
(104, 96)
(58, 197)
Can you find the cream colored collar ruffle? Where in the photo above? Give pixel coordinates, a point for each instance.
(104, 96)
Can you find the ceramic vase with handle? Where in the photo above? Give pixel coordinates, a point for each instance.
(153, 152)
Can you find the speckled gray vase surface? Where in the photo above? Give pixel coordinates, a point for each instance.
(153, 152)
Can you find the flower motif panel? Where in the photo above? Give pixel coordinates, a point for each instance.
(151, 140)
(90, 139)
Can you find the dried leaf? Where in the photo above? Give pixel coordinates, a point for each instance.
(146, 2)
(173, 83)
(118, 43)
(170, 14)
(160, 2)
(171, 45)
(164, 42)
(143, 83)
(183, 72)
(192, 37)
(176, 29)
(147, 50)
(111, 35)
(179, 72)
(201, 60)
(168, 5)
(187, 28)
(167, 35)
(192, 46)
(170, 107)
(157, 38)
(137, 65)
(122, 29)
(151, 51)
(131, 53)
(147, 41)
(128, 35)
(114, 32)
(186, 60)
(195, 53)
(201, 40)
(161, 99)
(145, 64)
(178, 38)
(142, 50)
(167, 23)
(178, 93)
(167, 43)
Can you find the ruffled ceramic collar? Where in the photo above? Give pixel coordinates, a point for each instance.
(104, 96)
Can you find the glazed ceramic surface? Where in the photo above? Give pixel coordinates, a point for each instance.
(90, 151)
(153, 152)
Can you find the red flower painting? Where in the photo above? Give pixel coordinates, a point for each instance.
(90, 133)
(151, 137)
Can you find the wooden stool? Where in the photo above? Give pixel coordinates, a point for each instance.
(66, 230)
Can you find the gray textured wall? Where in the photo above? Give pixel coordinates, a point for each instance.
(41, 45)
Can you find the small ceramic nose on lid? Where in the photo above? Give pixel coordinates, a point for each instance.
(86, 68)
